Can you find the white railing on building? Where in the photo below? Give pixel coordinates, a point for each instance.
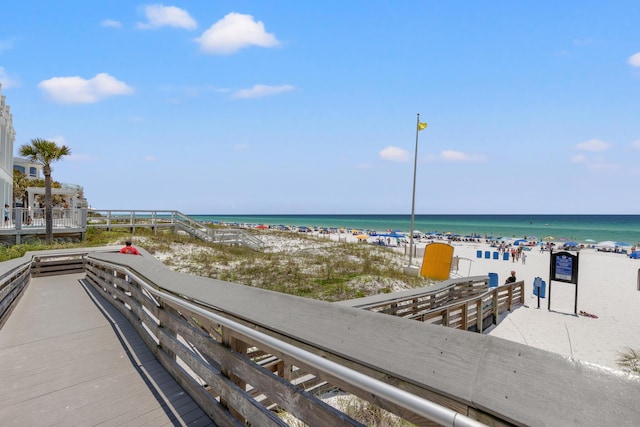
(34, 218)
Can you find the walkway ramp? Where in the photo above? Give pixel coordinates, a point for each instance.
(69, 358)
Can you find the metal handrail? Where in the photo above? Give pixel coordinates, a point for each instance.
(425, 408)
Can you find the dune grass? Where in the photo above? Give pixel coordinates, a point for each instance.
(629, 361)
(310, 267)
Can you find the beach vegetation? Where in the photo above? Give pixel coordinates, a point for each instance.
(629, 361)
(293, 263)
(45, 152)
(358, 409)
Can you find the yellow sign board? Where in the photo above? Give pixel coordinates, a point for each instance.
(436, 263)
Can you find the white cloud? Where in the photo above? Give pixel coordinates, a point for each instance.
(150, 158)
(593, 145)
(166, 16)
(636, 144)
(459, 156)
(194, 91)
(76, 90)
(259, 91)
(454, 156)
(111, 23)
(395, 154)
(6, 80)
(58, 139)
(234, 32)
(634, 60)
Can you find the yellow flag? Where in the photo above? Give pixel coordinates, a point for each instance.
(422, 126)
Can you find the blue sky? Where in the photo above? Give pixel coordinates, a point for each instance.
(255, 107)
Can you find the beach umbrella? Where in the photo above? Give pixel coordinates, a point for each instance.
(262, 227)
(549, 238)
(362, 236)
(607, 244)
(532, 238)
(590, 241)
(571, 244)
(519, 242)
(394, 235)
(622, 244)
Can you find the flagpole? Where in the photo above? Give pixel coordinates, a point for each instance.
(413, 198)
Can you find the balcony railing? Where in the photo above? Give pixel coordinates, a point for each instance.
(34, 218)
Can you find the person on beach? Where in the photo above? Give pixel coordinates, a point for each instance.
(6, 214)
(511, 279)
(128, 249)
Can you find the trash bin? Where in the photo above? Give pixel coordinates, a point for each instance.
(493, 280)
(505, 256)
(487, 254)
(537, 284)
(496, 255)
(543, 288)
(479, 254)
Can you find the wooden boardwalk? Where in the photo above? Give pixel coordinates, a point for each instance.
(67, 357)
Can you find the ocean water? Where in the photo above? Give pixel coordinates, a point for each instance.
(580, 228)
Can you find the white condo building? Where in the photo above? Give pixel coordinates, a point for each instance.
(7, 138)
(72, 194)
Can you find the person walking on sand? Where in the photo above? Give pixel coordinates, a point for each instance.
(524, 258)
(128, 249)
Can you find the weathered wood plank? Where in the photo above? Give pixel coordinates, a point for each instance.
(72, 368)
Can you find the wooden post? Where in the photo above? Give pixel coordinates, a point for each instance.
(464, 317)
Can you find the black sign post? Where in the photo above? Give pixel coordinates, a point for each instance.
(563, 267)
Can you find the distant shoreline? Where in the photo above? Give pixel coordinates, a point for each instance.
(581, 228)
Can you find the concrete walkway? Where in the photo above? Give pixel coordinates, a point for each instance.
(67, 357)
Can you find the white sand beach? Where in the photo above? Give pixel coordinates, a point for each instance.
(607, 288)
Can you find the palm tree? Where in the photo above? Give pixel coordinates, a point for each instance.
(45, 152)
(20, 185)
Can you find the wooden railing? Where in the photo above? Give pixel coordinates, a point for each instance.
(479, 312)
(466, 303)
(244, 354)
(240, 371)
(51, 265)
(14, 280)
